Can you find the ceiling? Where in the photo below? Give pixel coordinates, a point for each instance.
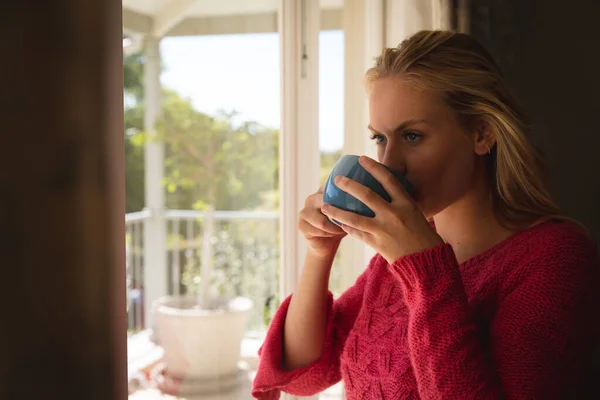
(204, 8)
(201, 8)
(161, 18)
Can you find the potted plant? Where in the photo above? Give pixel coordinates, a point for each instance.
(201, 332)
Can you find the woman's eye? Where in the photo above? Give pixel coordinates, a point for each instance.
(412, 136)
(377, 138)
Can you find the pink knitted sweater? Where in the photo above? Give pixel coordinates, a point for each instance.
(515, 322)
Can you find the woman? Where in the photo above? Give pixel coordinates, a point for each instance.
(481, 288)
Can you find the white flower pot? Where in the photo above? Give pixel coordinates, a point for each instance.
(201, 343)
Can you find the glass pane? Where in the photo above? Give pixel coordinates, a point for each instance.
(331, 116)
(213, 295)
(331, 140)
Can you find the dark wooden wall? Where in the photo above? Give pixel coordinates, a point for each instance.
(62, 317)
(550, 53)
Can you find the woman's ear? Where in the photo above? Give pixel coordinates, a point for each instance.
(483, 138)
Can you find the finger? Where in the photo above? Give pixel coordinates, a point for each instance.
(351, 219)
(360, 235)
(321, 189)
(371, 199)
(315, 218)
(389, 182)
(314, 201)
(311, 231)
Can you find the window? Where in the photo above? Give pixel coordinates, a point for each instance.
(202, 131)
(203, 192)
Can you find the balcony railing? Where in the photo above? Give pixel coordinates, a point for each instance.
(243, 254)
(241, 249)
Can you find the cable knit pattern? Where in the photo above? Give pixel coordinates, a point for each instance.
(515, 322)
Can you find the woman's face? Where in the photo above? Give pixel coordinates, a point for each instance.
(417, 135)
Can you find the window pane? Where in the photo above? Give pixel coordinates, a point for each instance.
(331, 117)
(331, 140)
(214, 154)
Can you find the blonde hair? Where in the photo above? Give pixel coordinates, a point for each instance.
(467, 79)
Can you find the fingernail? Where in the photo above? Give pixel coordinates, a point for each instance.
(324, 208)
(338, 179)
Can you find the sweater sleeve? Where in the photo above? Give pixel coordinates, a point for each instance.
(537, 340)
(271, 378)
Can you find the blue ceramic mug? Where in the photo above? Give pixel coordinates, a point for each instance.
(349, 167)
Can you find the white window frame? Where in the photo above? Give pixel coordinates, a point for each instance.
(299, 161)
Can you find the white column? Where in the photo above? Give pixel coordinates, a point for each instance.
(299, 161)
(155, 237)
(299, 157)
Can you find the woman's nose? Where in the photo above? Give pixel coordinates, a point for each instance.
(394, 160)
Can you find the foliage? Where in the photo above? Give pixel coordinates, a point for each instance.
(212, 161)
(208, 159)
(328, 160)
(245, 263)
(134, 121)
(133, 75)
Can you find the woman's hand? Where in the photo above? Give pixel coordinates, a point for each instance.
(398, 228)
(322, 236)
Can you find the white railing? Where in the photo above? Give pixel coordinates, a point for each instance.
(242, 253)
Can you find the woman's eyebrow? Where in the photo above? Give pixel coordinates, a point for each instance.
(402, 126)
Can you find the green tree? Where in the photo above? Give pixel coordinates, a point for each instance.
(328, 160)
(213, 161)
(133, 76)
(134, 121)
(209, 159)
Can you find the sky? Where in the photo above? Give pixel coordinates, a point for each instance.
(241, 73)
